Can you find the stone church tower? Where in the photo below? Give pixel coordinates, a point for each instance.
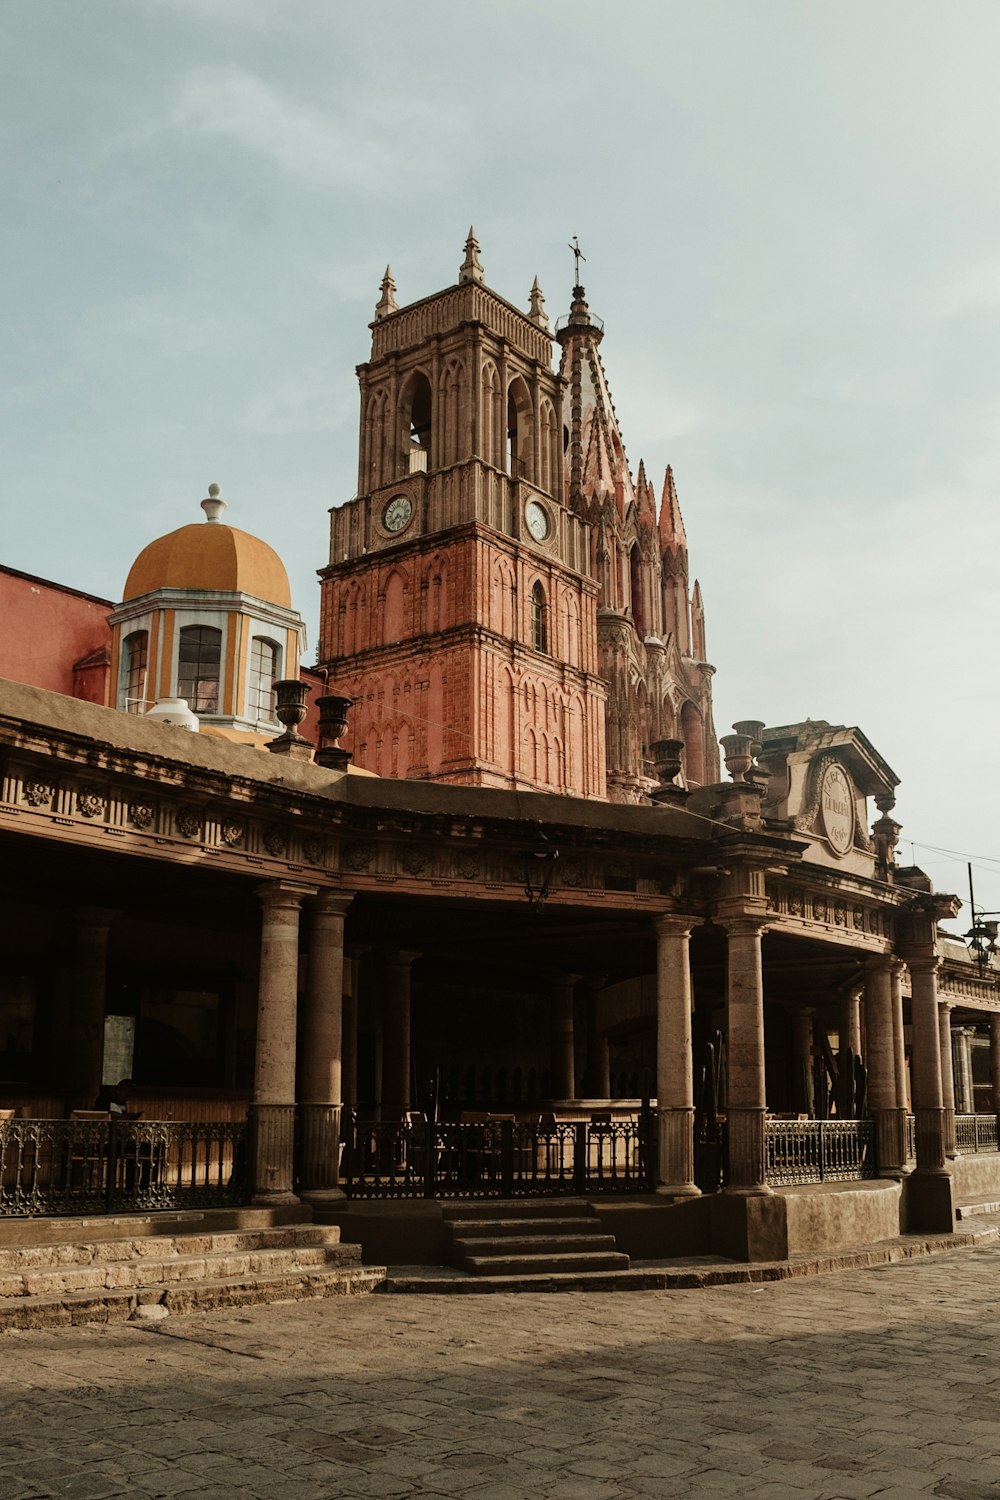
(651, 633)
(501, 602)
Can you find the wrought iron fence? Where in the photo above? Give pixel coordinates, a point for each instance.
(802, 1151)
(496, 1158)
(107, 1166)
(975, 1133)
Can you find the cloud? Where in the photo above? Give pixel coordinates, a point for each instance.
(970, 288)
(299, 139)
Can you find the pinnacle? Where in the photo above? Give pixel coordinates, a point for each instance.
(471, 268)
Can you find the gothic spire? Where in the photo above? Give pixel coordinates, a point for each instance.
(387, 302)
(470, 269)
(537, 313)
(671, 521)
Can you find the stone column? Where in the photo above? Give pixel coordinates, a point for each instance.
(562, 1051)
(995, 1060)
(598, 1049)
(90, 984)
(849, 1033)
(802, 1060)
(322, 1036)
(890, 1123)
(961, 1043)
(349, 1022)
(899, 1035)
(272, 1113)
(398, 969)
(745, 1097)
(674, 1062)
(947, 1077)
(928, 1100)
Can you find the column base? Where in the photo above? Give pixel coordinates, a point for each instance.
(319, 1196)
(274, 1200)
(677, 1190)
(756, 1190)
(272, 1141)
(930, 1201)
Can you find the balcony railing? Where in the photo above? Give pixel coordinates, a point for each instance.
(803, 1151)
(975, 1133)
(111, 1166)
(497, 1158)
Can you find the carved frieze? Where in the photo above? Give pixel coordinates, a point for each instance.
(188, 822)
(231, 833)
(90, 803)
(37, 793)
(274, 840)
(358, 856)
(312, 849)
(413, 859)
(141, 815)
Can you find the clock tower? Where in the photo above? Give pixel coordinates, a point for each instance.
(458, 607)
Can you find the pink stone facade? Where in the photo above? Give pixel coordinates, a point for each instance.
(502, 601)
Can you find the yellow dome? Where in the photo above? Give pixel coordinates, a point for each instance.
(210, 555)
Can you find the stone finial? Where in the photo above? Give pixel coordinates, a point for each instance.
(387, 303)
(537, 313)
(214, 505)
(290, 707)
(470, 269)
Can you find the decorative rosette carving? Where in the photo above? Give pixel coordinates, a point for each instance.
(232, 834)
(189, 823)
(274, 841)
(37, 793)
(140, 815)
(90, 803)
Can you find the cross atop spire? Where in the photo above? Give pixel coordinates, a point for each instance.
(471, 269)
(387, 302)
(578, 255)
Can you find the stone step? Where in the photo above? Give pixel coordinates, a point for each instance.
(490, 1228)
(22, 1257)
(971, 1210)
(116, 1305)
(519, 1208)
(84, 1229)
(533, 1244)
(545, 1265)
(150, 1271)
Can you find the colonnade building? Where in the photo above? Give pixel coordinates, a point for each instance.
(496, 926)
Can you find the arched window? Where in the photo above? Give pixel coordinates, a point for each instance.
(539, 632)
(198, 660)
(264, 668)
(135, 659)
(519, 433)
(415, 412)
(635, 589)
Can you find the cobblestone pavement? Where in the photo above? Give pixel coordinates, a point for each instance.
(880, 1382)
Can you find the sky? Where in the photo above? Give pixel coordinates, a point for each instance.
(791, 221)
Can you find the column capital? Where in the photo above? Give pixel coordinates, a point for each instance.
(923, 964)
(878, 963)
(332, 903)
(674, 924)
(401, 957)
(945, 1007)
(289, 894)
(743, 923)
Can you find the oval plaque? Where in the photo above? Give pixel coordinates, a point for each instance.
(837, 809)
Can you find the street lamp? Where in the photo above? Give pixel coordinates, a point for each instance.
(982, 935)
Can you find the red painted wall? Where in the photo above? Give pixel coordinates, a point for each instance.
(47, 631)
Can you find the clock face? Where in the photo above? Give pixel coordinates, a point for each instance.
(537, 518)
(397, 513)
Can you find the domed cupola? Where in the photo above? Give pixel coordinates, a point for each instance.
(206, 616)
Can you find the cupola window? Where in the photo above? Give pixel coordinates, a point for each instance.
(135, 661)
(263, 670)
(198, 664)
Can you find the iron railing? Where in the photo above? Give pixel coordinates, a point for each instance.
(496, 1158)
(112, 1166)
(975, 1133)
(802, 1151)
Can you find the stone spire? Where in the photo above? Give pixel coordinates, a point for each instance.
(671, 521)
(387, 302)
(645, 497)
(537, 313)
(470, 269)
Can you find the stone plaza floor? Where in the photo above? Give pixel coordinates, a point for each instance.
(879, 1382)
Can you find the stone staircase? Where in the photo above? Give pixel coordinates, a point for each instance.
(105, 1270)
(530, 1238)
